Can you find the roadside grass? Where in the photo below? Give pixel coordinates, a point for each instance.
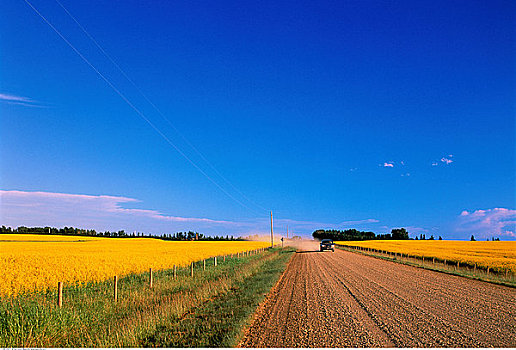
(219, 321)
(89, 316)
(439, 266)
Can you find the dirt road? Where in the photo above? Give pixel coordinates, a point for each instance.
(344, 299)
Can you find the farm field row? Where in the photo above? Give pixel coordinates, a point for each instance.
(31, 263)
(498, 256)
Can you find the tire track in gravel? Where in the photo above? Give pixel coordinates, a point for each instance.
(412, 326)
(470, 307)
(321, 309)
(362, 330)
(344, 299)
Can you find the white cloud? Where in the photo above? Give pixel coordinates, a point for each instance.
(447, 160)
(13, 98)
(358, 222)
(98, 212)
(388, 165)
(101, 212)
(488, 223)
(416, 230)
(19, 100)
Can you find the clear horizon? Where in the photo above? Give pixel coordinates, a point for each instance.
(166, 117)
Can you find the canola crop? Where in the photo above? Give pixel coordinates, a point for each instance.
(498, 255)
(31, 263)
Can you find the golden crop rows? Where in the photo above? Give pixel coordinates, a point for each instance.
(36, 262)
(498, 255)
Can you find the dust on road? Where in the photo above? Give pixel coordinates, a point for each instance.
(344, 299)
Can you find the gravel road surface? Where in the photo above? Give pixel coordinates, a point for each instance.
(343, 299)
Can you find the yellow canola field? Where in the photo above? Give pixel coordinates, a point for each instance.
(498, 255)
(36, 262)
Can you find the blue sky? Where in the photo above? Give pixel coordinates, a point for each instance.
(356, 114)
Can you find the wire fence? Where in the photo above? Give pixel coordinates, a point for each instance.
(487, 273)
(176, 279)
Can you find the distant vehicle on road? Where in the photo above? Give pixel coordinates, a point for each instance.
(327, 244)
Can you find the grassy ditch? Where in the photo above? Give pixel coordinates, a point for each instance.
(439, 266)
(207, 310)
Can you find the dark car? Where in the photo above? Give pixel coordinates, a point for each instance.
(327, 244)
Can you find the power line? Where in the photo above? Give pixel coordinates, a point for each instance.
(155, 107)
(126, 100)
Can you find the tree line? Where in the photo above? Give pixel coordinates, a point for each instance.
(356, 235)
(73, 231)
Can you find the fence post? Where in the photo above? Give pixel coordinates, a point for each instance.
(488, 270)
(115, 289)
(475, 268)
(60, 294)
(203, 264)
(175, 272)
(191, 269)
(150, 278)
(215, 261)
(224, 259)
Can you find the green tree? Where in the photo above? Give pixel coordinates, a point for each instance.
(399, 233)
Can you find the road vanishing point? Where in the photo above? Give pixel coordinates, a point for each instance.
(344, 299)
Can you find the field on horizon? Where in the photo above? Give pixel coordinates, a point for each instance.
(498, 255)
(31, 263)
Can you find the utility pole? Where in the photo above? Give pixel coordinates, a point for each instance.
(272, 233)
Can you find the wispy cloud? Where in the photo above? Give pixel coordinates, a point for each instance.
(13, 98)
(416, 230)
(485, 223)
(358, 222)
(100, 212)
(388, 165)
(301, 227)
(103, 212)
(19, 100)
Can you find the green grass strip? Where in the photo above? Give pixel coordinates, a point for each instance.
(220, 321)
